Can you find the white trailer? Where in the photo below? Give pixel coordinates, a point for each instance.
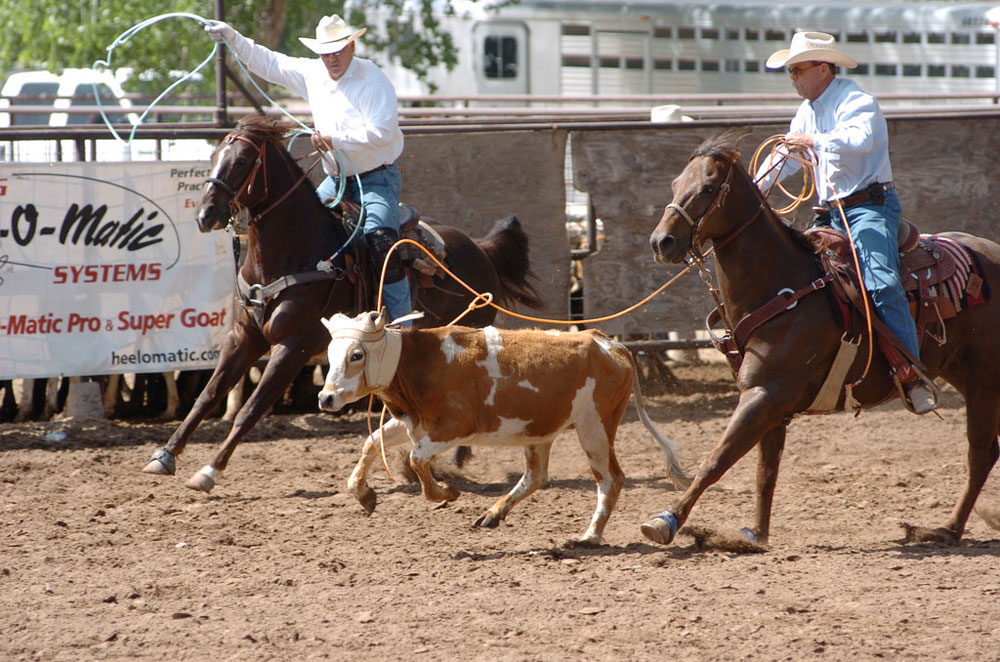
(597, 47)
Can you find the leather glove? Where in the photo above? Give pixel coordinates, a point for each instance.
(220, 32)
(320, 143)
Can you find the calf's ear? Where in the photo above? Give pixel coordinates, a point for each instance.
(327, 323)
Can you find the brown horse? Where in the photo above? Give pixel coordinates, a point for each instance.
(282, 295)
(787, 358)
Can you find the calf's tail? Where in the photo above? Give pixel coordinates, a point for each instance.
(677, 474)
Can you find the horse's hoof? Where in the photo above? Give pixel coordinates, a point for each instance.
(203, 481)
(661, 529)
(162, 463)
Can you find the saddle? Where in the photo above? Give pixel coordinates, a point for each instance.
(940, 278)
(938, 275)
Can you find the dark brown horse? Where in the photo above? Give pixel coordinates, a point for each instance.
(281, 295)
(787, 358)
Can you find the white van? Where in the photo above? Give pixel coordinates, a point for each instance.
(75, 87)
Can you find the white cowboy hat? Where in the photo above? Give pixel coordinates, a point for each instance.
(810, 47)
(332, 36)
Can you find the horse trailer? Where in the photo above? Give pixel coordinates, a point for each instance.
(603, 48)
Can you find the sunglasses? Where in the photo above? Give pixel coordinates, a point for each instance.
(336, 53)
(796, 70)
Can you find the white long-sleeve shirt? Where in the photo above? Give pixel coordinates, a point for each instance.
(358, 112)
(850, 138)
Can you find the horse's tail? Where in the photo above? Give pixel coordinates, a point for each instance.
(507, 247)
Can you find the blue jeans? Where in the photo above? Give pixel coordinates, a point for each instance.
(379, 196)
(874, 229)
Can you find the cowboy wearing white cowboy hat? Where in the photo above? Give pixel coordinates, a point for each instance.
(354, 109)
(845, 128)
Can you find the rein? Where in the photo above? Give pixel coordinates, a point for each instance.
(697, 257)
(245, 189)
(256, 296)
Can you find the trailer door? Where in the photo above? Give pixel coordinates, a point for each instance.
(501, 57)
(622, 63)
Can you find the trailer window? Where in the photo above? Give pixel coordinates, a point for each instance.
(500, 57)
(575, 30)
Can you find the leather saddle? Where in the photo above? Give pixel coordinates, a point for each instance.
(925, 265)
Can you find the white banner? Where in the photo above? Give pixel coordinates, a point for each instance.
(103, 270)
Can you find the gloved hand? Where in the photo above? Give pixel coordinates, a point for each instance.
(320, 143)
(220, 32)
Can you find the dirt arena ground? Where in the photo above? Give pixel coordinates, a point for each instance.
(102, 562)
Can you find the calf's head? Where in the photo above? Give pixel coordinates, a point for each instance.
(363, 356)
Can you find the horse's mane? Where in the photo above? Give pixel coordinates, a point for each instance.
(270, 129)
(725, 147)
(273, 131)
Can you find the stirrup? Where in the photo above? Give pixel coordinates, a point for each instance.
(919, 398)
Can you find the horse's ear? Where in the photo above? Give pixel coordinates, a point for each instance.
(740, 138)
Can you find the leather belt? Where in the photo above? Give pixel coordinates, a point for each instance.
(374, 170)
(864, 195)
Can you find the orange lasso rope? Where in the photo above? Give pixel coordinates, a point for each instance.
(809, 158)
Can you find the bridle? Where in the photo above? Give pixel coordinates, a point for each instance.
(695, 254)
(717, 202)
(241, 197)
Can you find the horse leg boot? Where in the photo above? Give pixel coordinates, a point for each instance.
(752, 418)
(396, 288)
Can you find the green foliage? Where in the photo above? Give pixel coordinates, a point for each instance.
(56, 35)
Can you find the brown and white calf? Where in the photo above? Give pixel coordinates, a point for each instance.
(457, 385)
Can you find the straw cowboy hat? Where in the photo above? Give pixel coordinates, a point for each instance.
(810, 47)
(332, 36)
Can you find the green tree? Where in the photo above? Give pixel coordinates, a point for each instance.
(57, 35)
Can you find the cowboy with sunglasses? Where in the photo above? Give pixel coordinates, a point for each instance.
(354, 109)
(845, 128)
